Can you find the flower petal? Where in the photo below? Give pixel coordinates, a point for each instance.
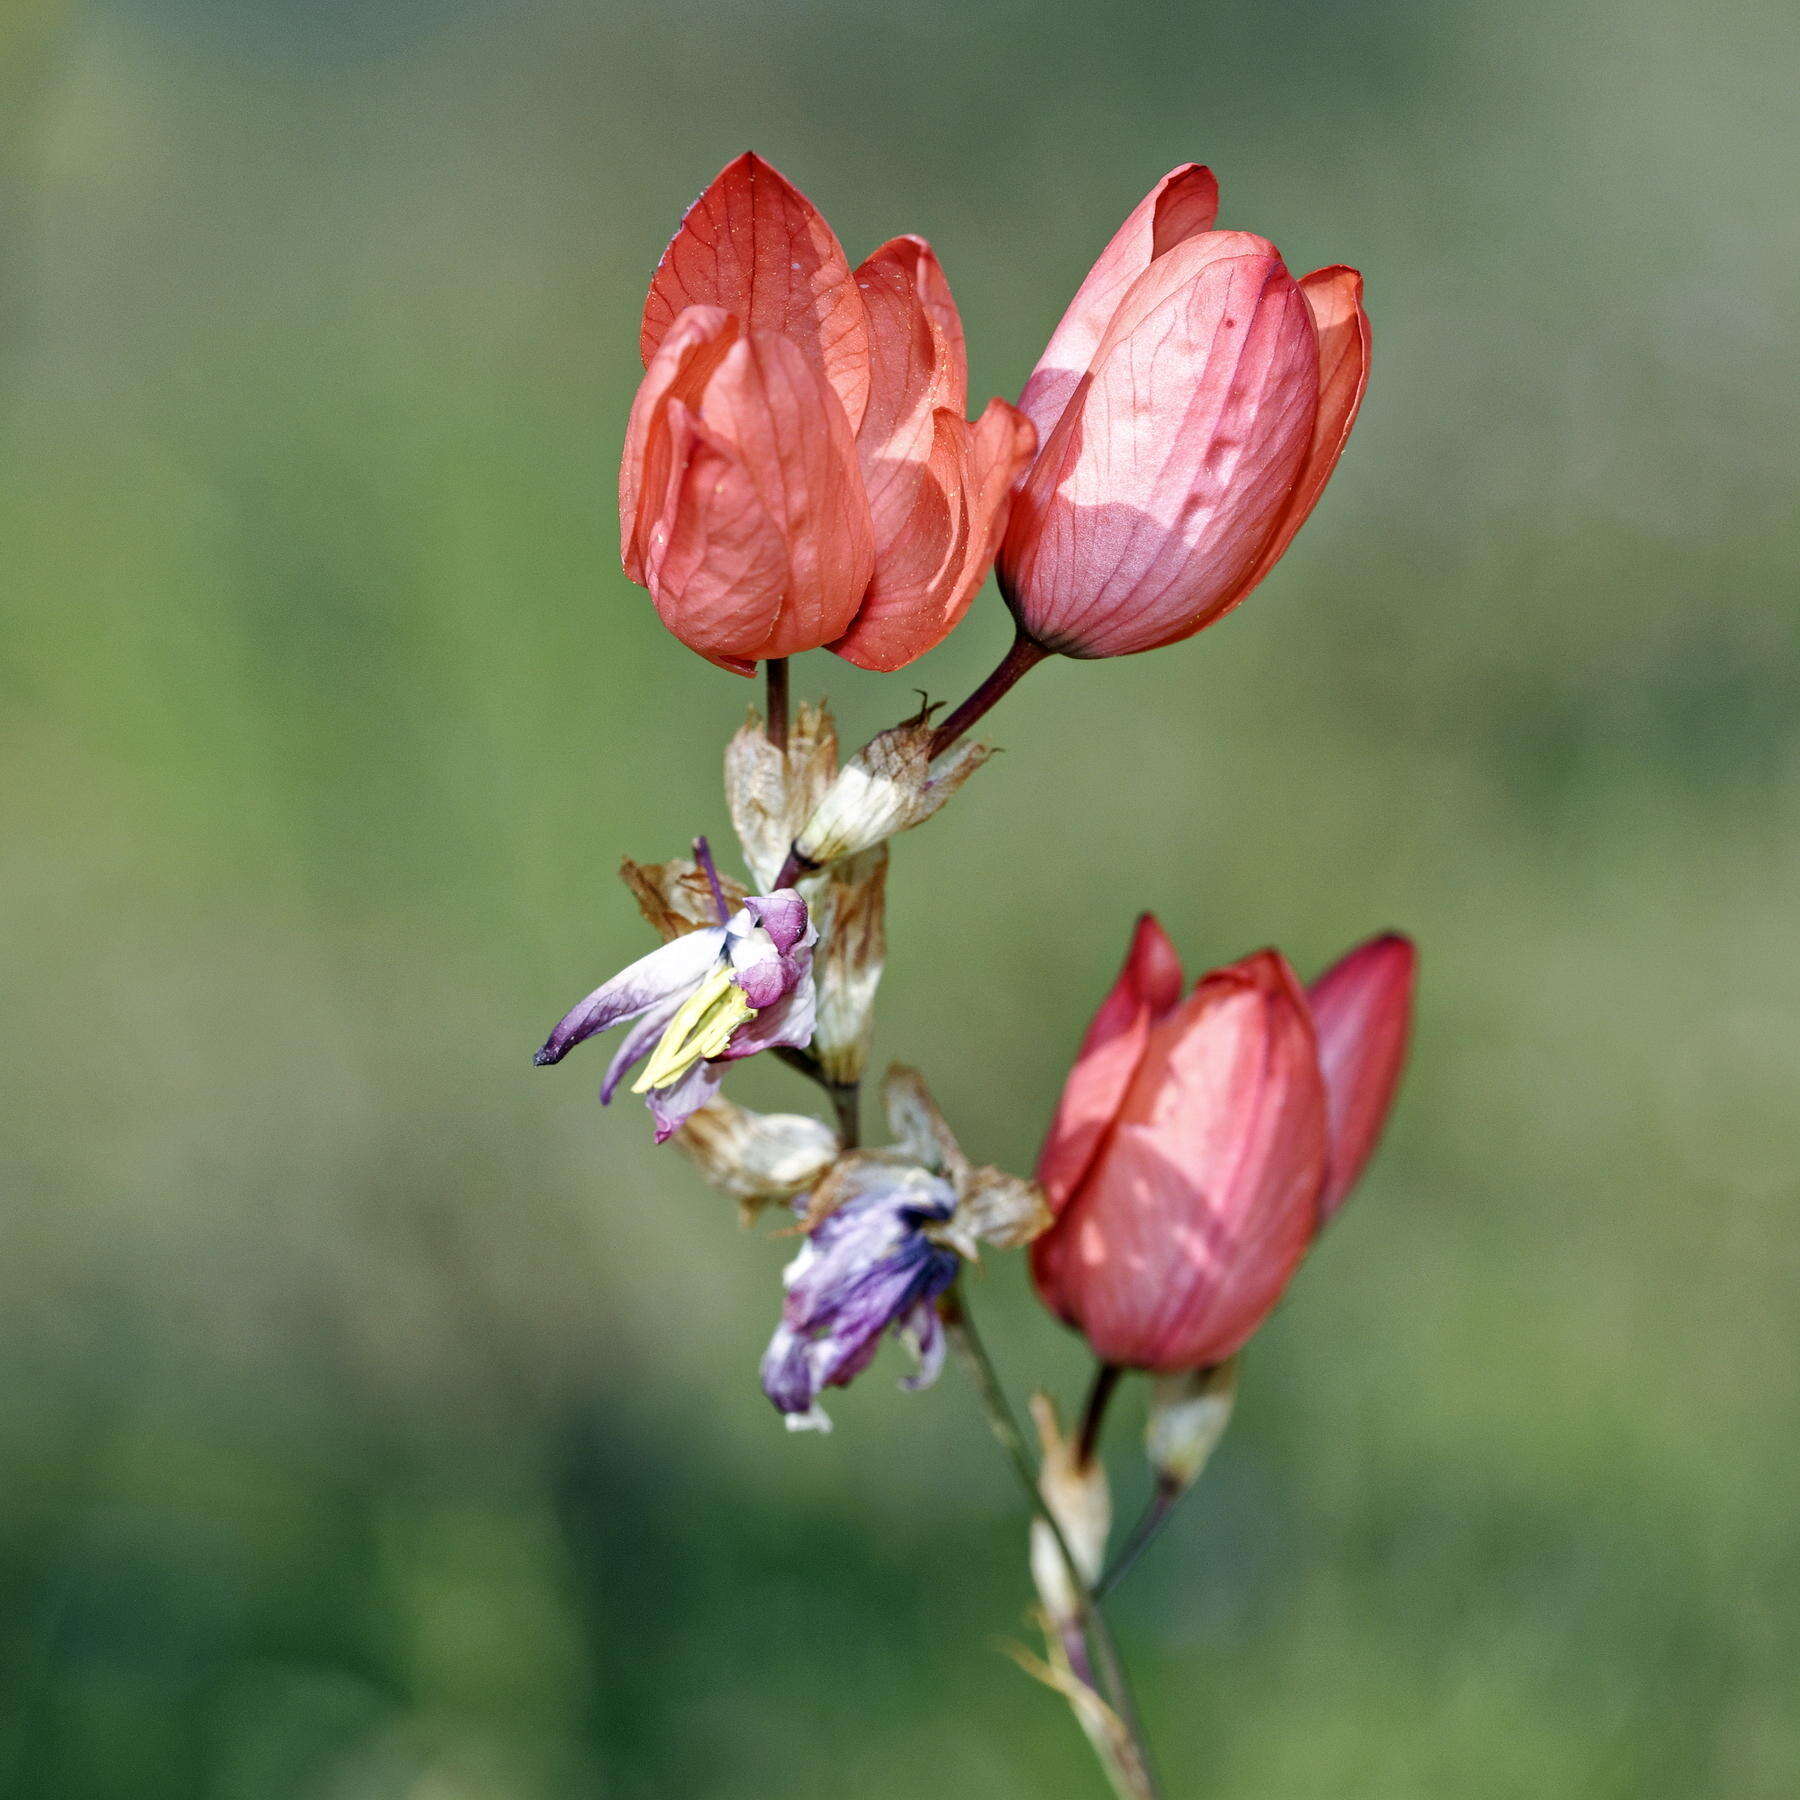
(781, 914)
(637, 1043)
(671, 1107)
(1182, 205)
(919, 555)
(1362, 1009)
(1335, 298)
(1160, 486)
(690, 352)
(756, 247)
(786, 1024)
(794, 445)
(668, 972)
(1147, 989)
(717, 566)
(1203, 1203)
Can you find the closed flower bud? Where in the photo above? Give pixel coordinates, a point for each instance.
(798, 470)
(1189, 409)
(1198, 1141)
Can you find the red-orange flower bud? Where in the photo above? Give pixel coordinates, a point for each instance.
(1201, 1141)
(798, 470)
(1189, 408)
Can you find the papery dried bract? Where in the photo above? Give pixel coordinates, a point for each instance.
(1078, 1498)
(992, 1207)
(853, 951)
(1188, 1415)
(675, 897)
(759, 1159)
(771, 792)
(891, 784)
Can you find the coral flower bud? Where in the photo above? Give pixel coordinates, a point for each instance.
(1189, 410)
(1362, 1010)
(798, 470)
(1200, 1141)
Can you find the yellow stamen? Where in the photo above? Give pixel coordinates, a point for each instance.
(702, 1028)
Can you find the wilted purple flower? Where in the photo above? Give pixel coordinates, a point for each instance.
(866, 1267)
(702, 1000)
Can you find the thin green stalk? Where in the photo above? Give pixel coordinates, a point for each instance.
(1004, 1425)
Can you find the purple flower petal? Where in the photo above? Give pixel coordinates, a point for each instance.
(672, 1106)
(923, 1331)
(669, 971)
(789, 1021)
(866, 1268)
(638, 1042)
(764, 979)
(781, 914)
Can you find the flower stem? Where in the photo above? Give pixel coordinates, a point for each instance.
(775, 671)
(1023, 656)
(1106, 1380)
(846, 1103)
(845, 1096)
(1135, 1783)
(1148, 1528)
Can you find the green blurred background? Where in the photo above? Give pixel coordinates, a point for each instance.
(378, 1418)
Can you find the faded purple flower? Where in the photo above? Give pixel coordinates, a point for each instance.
(868, 1266)
(702, 1000)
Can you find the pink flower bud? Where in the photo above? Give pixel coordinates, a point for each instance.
(1200, 1141)
(1189, 409)
(798, 470)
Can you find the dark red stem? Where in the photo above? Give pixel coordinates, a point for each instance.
(776, 670)
(1106, 1379)
(1023, 655)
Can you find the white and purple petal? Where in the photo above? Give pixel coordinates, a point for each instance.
(865, 1269)
(673, 970)
(638, 1042)
(672, 1106)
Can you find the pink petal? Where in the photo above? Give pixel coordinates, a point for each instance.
(1362, 1009)
(793, 445)
(1182, 205)
(756, 247)
(680, 369)
(715, 563)
(1147, 989)
(1161, 484)
(1335, 297)
(925, 587)
(912, 378)
(1202, 1203)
